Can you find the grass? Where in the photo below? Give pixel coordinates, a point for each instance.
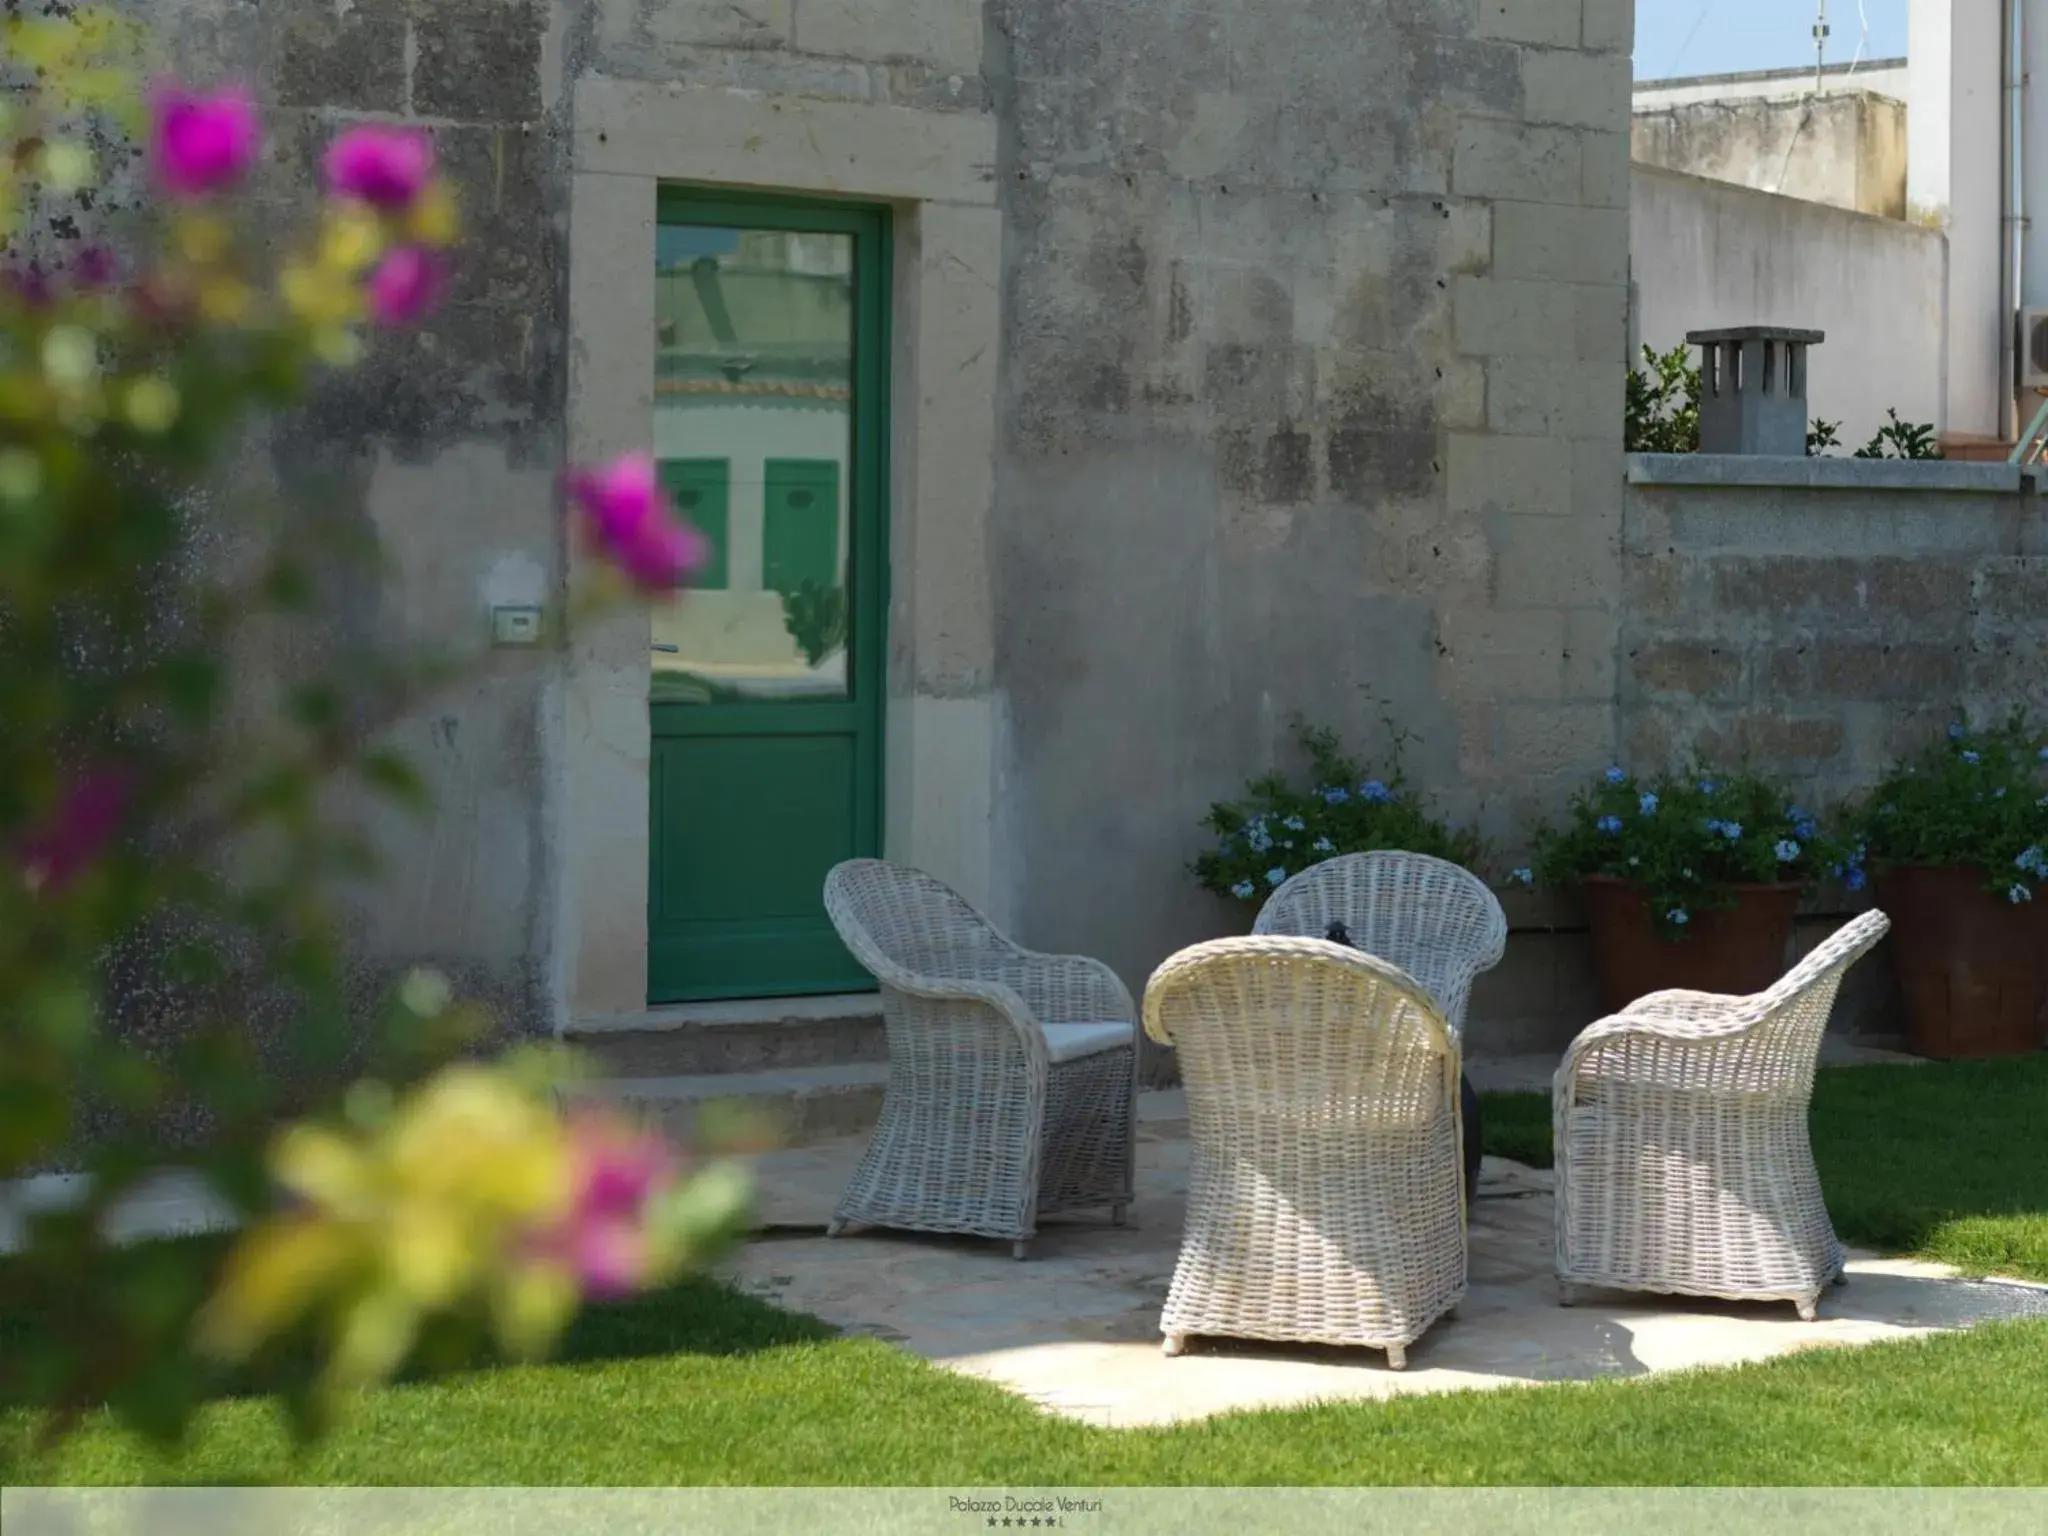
(701, 1386)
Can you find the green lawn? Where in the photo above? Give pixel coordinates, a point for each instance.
(701, 1386)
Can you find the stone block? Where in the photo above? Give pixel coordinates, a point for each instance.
(1538, 740)
(1509, 474)
(1560, 397)
(1589, 654)
(1698, 668)
(943, 33)
(328, 56)
(1569, 245)
(1553, 23)
(1601, 330)
(1579, 90)
(1500, 159)
(1367, 467)
(2013, 591)
(1609, 25)
(1599, 488)
(713, 23)
(1604, 181)
(1873, 669)
(1545, 562)
(1772, 740)
(1492, 318)
(479, 60)
(1489, 656)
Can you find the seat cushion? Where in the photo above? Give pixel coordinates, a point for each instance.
(1070, 1042)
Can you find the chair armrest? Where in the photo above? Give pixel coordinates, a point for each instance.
(1070, 989)
(997, 997)
(1688, 1019)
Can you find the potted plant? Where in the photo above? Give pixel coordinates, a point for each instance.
(1956, 839)
(1280, 829)
(1689, 879)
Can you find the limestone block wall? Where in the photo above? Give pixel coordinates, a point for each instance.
(1314, 335)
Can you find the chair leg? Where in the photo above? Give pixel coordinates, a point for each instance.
(1809, 1308)
(1567, 1295)
(1175, 1344)
(1021, 1249)
(1118, 1214)
(1397, 1357)
(834, 1228)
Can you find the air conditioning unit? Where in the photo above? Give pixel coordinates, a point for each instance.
(2031, 348)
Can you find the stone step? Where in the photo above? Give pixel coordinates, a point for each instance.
(798, 1105)
(724, 1038)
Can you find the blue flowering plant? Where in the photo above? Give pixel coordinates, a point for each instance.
(1975, 799)
(1280, 828)
(1688, 840)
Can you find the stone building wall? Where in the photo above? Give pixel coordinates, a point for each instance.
(1303, 374)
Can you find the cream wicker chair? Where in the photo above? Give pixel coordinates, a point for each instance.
(1012, 1075)
(1325, 1194)
(1434, 919)
(1683, 1163)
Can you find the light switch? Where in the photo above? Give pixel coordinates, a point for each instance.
(515, 625)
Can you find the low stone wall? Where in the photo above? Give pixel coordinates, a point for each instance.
(1817, 618)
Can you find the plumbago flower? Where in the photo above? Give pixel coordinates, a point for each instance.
(1280, 828)
(429, 1201)
(1685, 840)
(1971, 799)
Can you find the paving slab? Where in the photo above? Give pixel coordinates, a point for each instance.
(1075, 1327)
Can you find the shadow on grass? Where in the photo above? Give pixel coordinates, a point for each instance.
(1946, 1160)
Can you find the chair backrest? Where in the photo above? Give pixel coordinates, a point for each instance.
(1301, 1033)
(900, 923)
(1781, 1049)
(1433, 919)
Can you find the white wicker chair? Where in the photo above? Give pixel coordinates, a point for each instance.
(1012, 1075)
(1433, 919)
(1325, 1190)
(1683, 1163)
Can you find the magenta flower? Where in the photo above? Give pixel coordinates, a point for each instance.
(405, 286)
(58, 852)
(629, 517)
(29, 284)
(384, 167)
(602, 1239)
(201, 144)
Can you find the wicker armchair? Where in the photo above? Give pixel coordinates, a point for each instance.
(1683, 1164)
(1433, 919)
(1012, 1075)
(1325, 1195)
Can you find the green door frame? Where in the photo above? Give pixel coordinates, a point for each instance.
(868, 505)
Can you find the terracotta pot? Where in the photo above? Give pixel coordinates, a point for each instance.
(1735, 950)
(1973, 966)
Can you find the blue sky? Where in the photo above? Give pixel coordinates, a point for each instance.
(1711, 37)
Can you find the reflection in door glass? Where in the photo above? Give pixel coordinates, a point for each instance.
(753, 418)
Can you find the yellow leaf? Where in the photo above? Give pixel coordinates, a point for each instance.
(530, 1307)
(351, 239)
(325, 1169)
(430, 1254)
(434, 220)
(152, 405)
(225, 300)
(376, 1331)
(270, 1279)
(71, 356)
(67, 166)
(201, 238)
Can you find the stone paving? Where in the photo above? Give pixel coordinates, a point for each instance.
(1075, 1327)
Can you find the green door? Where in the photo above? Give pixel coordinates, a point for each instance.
(771, 395)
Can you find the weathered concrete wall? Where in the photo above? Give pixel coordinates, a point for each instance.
(1847, 150)
(1707, 253)
(1884, 77)
(1821, 616)
(1315, 328)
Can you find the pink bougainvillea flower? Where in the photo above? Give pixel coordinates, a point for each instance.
(201, 144)
(62, 849)
(629, 517)
(384, 167)
(405, 286)
(602, 1239)
(29, 285)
